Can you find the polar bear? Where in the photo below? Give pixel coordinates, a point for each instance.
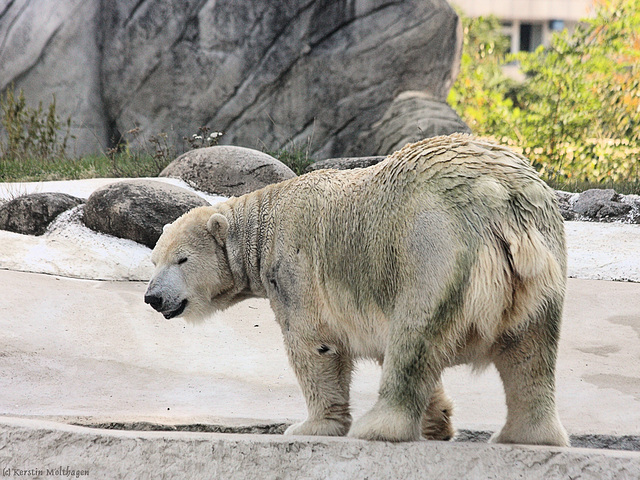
(449, 251)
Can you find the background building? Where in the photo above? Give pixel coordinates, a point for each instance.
(529, 23)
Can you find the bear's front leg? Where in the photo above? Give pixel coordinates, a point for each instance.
(324, 376)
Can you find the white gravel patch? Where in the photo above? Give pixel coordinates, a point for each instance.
(603, 251)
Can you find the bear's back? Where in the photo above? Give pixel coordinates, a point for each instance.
(447, 162)
(457, 173)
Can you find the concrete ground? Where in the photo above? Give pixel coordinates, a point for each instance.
(93, 349)
(79, 350)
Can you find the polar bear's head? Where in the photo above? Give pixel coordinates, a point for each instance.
(192, 275)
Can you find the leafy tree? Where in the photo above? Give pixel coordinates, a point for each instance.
(480, 92)
(577, 113)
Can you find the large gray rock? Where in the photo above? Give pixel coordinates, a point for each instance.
(272, 73)
(268, 73)
(411, 117)
(52, 47)
(227, 170)
(32, 214)
(138, 209)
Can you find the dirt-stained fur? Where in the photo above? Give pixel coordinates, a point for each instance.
(450, 251)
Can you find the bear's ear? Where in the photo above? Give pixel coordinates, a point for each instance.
(218, 226)
(166, 227)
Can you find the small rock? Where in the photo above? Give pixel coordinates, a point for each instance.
(634, 202)
(345, 163)
(565, 204)
(32, 214)
(613, 211)
(602, 205)
(228, 170)
(138, 209)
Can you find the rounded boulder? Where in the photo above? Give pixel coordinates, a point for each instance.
(32, 214)
(227, 170)
(138, 209)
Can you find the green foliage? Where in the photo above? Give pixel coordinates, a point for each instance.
(135, 158)
(577, 113)
(31, 133)
(34, 142)
(297, 159)
(480, 95)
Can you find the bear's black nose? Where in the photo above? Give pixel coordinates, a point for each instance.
(154, 301)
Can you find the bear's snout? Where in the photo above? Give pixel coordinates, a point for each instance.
(154, 301)
(166, 292)
(166, 308)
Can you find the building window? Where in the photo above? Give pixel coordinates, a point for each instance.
(556, 25)
(530, 36)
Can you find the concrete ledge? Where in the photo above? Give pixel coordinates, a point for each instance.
(209, 424)
(40, 449)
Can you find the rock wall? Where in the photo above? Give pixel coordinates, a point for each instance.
(52, 47)
(310, 72)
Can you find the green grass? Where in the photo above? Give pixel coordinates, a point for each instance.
(33, 147)
(117, 165)
(125, 163)
(296, 159)
(91, 166)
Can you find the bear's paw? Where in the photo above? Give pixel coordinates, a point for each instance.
(549, 432)
(326, 427)
(386, 424)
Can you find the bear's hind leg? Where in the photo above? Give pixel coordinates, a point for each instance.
(436, 422)
(526, 362)
(324, 376)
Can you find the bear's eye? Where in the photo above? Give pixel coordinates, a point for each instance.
(182, 260)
